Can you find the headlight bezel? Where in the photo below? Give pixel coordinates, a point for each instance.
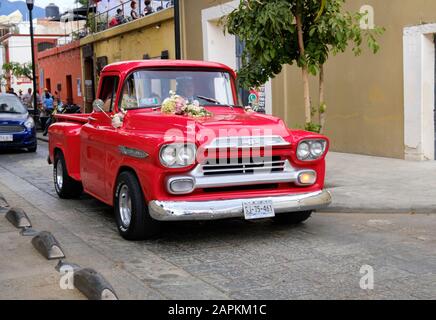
(177, 162)
(312, 155)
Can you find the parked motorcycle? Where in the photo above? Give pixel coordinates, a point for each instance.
(61, 109)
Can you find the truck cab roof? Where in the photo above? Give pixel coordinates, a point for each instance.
(127, 66)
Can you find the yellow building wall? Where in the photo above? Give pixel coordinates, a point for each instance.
(131, 41)
(364, 94)
(133, 45)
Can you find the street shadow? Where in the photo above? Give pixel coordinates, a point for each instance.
(188, 231)
(10, 151)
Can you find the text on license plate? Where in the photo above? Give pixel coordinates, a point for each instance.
(6, 138)
(258, 209)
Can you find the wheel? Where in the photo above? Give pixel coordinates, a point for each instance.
(131, 212)
(293, 217)
(33, 149)
(66, 187)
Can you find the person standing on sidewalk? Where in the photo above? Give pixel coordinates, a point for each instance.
(27, 99)
(48, 104)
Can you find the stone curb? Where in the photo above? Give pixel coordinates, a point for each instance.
(93, 285)
(3, 203)
(371, 210)
(18, 218)
(47, 245)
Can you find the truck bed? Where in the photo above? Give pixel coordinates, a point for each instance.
(77, 117)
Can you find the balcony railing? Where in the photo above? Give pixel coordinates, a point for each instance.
(121, 14)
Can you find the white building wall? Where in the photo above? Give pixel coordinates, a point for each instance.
(20, 51)
(220, 47)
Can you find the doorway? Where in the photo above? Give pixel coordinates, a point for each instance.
(69, 90)
(419, 65)
(434, 85)
(48, 84)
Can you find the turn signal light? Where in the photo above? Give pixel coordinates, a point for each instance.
(307, 178)
(181, 185)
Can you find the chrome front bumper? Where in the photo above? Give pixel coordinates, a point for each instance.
(224, 209)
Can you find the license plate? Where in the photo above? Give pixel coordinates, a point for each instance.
(258, 209)
(6, 138)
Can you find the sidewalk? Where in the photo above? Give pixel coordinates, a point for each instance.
(40, 137)
(380, 185)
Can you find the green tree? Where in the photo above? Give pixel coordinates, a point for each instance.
(19, 69)
(304, 32)
(84, 3)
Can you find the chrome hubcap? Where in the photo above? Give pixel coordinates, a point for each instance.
(125, 206)
(59, 175)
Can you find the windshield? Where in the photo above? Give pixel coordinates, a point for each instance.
(149, 88)
(11, 104)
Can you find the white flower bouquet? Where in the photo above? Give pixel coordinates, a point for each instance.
(176, 104)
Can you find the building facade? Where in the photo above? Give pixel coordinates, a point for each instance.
(60, 71)
(379, 105)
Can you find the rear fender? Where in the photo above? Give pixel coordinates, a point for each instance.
(65, 137)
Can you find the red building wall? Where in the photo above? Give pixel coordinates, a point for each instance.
(62, 69)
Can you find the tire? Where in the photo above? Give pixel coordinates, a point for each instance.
(131, 211)
(33, 149)
(293, 217)
(66, 187)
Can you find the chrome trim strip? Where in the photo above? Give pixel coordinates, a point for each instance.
(131, 152)
(224, 209)
(244, 142)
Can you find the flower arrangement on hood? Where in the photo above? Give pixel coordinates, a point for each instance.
(177, 105)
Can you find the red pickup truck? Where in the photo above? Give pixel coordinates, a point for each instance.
(167, 141)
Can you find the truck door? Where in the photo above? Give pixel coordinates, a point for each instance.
(94, 143)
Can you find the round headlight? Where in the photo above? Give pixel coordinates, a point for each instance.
(317, 149)
(178, 155)
(303, 151)
(30, 123)
(168, 155)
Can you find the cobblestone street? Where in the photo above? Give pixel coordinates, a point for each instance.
(215, 260)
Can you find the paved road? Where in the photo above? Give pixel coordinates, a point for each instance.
(214, 260)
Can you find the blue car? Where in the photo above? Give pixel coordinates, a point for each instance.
(17, 128)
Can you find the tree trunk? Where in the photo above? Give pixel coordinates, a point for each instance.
(322, 106)
(307, 107)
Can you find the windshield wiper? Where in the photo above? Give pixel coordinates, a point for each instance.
(209, 99)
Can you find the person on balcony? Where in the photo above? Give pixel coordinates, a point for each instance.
(133, 13)
(148, 8)
(120, 16)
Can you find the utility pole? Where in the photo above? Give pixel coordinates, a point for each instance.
(32, 44)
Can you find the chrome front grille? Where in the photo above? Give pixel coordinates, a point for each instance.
(11, 128)
(244, 166)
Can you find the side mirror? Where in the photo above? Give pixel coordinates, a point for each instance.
(98, 105)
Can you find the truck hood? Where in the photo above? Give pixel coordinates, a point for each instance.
(224, 122)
